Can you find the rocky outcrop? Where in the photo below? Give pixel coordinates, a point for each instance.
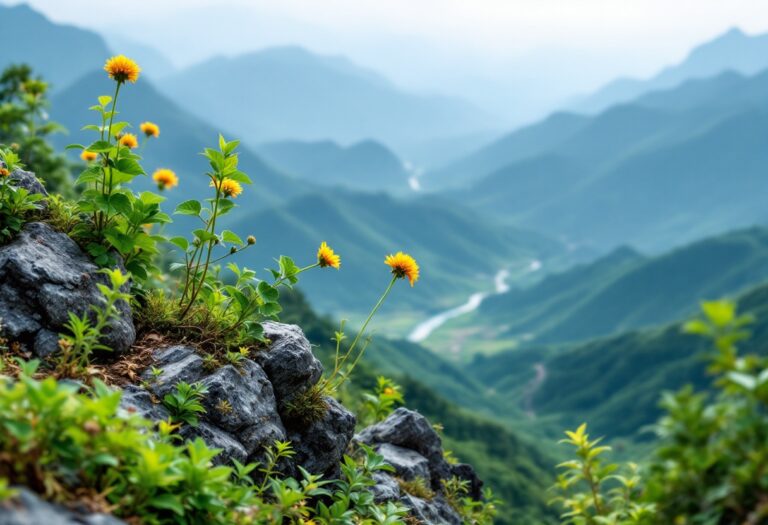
(246, 406)
(28, 509)
(44, 275)
(28, 181)
(411, 446)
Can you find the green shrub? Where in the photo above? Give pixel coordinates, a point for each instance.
(63, 444)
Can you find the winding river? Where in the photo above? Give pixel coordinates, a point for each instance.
(425, 328)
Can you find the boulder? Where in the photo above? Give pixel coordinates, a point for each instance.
(408, 464)
(410, 430)
(179, 364)
(409, 444)
(28, 181)
(320, 445)
(43, 276)
(241, 416)
(291, 366)
(28, 509)
(241, 402)
(435, 511)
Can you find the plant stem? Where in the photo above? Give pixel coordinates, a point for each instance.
(343, 360)
(196, 289)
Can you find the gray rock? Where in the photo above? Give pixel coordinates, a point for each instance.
(241, 415)
(386, 488)
(408, 464)
(410, 430)
(215, 437)
(289, 362)
(43, 276)
(28, 181)
(251, 412)
(137, 400)
(28, 509)
(179, 363)
(431, 512)
(320, 445)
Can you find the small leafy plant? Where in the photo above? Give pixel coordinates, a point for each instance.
(17, 204)
(86, 330)
(184, 403)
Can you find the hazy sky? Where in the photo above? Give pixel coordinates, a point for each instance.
(496, 52)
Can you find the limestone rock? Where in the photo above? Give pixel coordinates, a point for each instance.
(43, 276)
(291, 366)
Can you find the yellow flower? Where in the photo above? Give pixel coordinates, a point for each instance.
(4, 172)
(403, 265)
(389, 391)
(326, 257)
(165, 179)
(129, 140)
(150, 129)
(122, 69)
(88, 156)
(228, 187)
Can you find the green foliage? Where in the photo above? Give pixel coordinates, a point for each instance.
(119, 218)
(591, 491)
(517, 470)
(184, 403)
(17, 205)
(709, 465)
(711, 460)
(473, 512)
(77, 347)
(309, 406)
(376, 406)
(24, 126)
(418, 487)
(63, 443)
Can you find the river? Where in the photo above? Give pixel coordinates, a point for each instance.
(425, 328)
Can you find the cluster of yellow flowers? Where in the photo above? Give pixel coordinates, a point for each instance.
(403, 266)
(122, 69)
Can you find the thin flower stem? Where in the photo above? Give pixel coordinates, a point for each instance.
(360, 333)
(196, 289)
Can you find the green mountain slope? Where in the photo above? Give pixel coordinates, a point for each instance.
(655, 173)
(613, 383)
(366, 165)
(625, 290)
(517, 469)
(459, 252)
(61, 53)
(291, 93)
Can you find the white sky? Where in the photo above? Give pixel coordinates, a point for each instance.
(491, 51)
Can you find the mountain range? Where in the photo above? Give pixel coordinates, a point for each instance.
(733, 50)
(366, 165)
(656, 172)
(290, 93)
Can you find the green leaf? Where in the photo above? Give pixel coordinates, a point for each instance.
(270, 309)
(268, 292)
(230, 237)
(148, 197)
(100, 146)
(190, 207)
(239, 176)
(75, 146)
(104, 100)
(168, 502)
(130, 166)
(181, 242)
(121, 203)
(203, 235)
